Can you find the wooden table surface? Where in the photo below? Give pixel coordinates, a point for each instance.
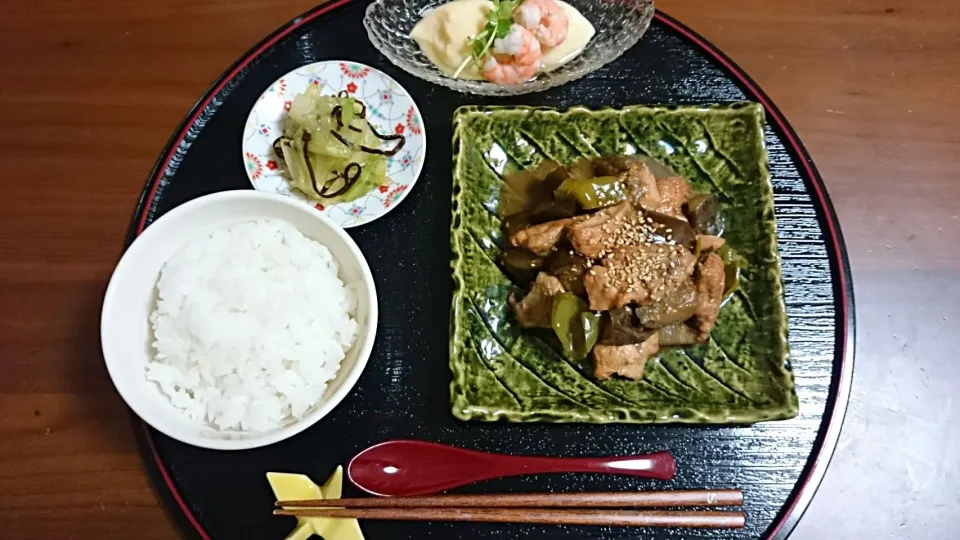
(90, 92)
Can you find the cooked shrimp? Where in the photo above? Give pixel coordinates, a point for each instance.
(515, 59)
(545, 18)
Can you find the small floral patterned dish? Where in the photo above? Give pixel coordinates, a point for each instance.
(391, 110)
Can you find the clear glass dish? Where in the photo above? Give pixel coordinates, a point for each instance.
(619, 25)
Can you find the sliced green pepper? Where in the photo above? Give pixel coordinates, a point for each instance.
(591, 330)
(576, 327)
(593, 193)
(732, 264)
(565, 319)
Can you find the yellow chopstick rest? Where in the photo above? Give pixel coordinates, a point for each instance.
(292, 487)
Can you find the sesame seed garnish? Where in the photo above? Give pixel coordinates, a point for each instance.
(639, 257)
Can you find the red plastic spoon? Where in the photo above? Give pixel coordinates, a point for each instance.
(407, 468)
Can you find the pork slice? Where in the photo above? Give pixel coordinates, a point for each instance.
(541, 238)
(641, 186)
(605, 293)
(710, 282)
(624, 360)
(596, 235)
(674, 191)
(535, 308)
(639, 274)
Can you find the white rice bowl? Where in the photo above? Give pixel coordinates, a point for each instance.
(250, 326)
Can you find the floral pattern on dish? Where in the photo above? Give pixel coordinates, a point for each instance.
(391, 110)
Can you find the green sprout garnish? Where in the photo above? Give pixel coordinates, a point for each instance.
(499, 21)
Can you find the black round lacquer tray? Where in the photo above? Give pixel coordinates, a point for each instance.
(404, 392)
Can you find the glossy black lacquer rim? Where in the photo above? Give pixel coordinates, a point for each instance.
(829, 433)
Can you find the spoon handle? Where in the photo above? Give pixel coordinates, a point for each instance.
(660, 465)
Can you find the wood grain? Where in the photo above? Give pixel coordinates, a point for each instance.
(92, 90)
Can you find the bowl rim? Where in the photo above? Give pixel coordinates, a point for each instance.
(541, 83)
(155, 232)
(369, 217)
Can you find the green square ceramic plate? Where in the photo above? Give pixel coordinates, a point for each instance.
(741, 375)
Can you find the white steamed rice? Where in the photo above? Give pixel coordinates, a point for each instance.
(251, 324)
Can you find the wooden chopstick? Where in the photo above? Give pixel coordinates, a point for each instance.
(621, 518)
(639, 499)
